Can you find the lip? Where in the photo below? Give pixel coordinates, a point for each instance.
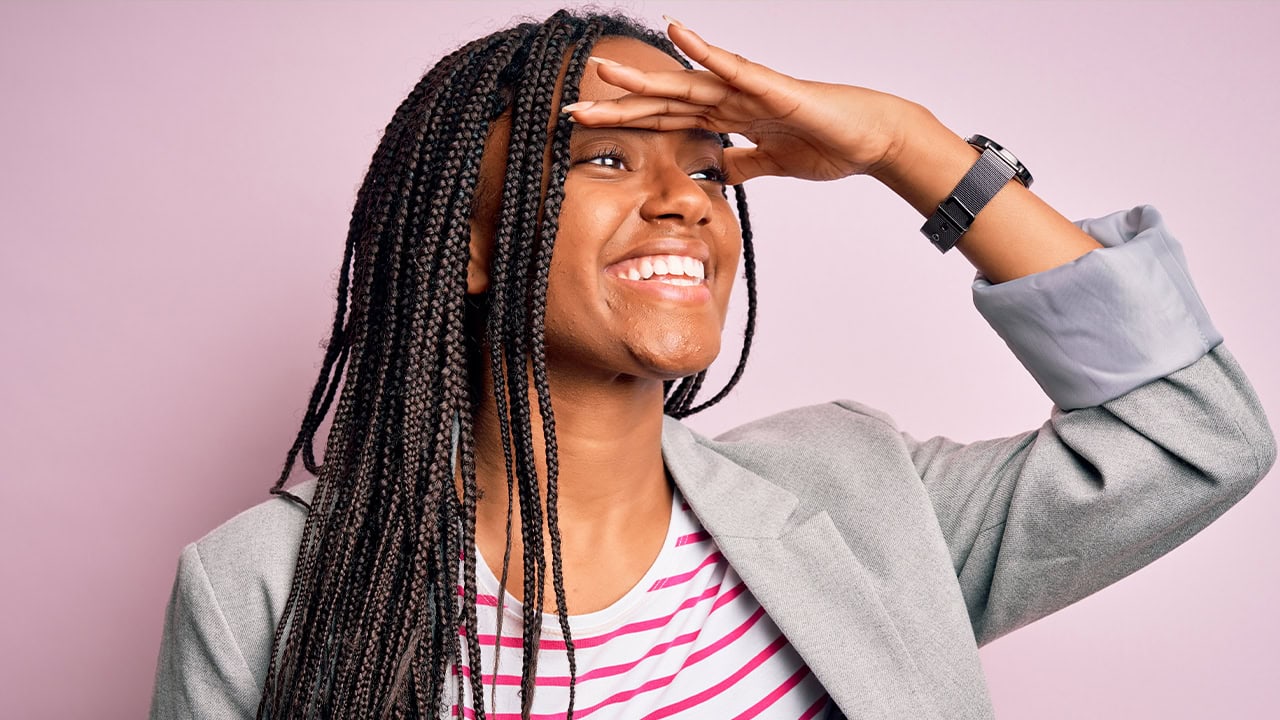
(659, 290)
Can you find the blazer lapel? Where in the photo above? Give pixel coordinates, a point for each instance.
(802, 571)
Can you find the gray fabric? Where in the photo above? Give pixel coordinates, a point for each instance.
(230, 590)
(886, 560)
(1100, 326)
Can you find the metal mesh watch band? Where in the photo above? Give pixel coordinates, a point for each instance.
(955, 214)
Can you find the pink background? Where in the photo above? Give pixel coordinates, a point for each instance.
(176, 184)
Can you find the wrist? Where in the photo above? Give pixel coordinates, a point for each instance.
(927, 161)
(895, 119)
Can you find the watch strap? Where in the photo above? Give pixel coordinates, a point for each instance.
(988, 175)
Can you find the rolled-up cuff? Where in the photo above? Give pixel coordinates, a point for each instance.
(1107, 322)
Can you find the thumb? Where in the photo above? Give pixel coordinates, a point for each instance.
(742, 164)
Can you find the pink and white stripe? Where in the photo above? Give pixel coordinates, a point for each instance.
(689, 640)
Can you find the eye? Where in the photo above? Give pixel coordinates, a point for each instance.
(715, 174)
(609, 157)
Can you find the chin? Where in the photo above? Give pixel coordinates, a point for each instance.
(681, 358)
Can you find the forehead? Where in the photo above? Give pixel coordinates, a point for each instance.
(628, 51)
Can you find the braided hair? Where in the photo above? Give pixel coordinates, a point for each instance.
(373, 624)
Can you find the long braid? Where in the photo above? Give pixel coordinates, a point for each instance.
(383, 601)
(454, 376)
(401, 213)
(424, 344)
(385, 164)
(400, 423)
(335, 354)
(502, 333)
(559, 168)
(531, 502)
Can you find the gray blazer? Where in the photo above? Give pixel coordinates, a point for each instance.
(887, 560)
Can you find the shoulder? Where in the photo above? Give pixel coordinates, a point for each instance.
(248, 562)
(836, 431)
(836, 416)
(258, 540)
(823, 452)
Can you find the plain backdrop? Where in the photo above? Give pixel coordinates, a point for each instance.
(177, 180)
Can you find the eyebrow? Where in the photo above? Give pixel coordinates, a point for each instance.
(703, 135)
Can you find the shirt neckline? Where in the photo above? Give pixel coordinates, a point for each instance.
(601, 620)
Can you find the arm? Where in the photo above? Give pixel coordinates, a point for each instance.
(1155, 433)
(1015, 235)
(1156, 430)
(824, 131)
(1038, 521)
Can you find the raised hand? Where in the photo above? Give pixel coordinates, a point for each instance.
(800, 128)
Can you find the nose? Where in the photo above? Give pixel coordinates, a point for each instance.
(670, 194)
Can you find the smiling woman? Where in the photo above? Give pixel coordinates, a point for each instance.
(510, 519)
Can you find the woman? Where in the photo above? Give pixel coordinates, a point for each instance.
(537, 270)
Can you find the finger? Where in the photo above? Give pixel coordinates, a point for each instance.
(663, 122)
(742, 164)
(696, 86)
(738, 71)
(621, 110)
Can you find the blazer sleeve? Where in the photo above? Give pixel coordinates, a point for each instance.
(201, 672)
(1155, 432)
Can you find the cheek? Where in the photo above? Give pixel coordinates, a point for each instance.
(589, 204)
(588, 218)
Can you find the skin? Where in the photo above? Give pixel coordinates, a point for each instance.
(611, 343)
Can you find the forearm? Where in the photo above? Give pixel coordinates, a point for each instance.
(1016, 234)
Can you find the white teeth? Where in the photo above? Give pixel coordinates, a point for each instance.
(688, 270)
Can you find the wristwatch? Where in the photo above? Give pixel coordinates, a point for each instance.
(989, 174)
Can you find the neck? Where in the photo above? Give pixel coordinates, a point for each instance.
(614, 500)
(609, 452)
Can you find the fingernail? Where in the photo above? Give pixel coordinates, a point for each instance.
(574, 107)
(673, 21)
(603, 61)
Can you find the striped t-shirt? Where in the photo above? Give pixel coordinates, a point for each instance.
(689, 640)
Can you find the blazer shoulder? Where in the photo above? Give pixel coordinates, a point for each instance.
(825, 453)
(258, 541)
(835, 415)
(249, 561)
(811, 425)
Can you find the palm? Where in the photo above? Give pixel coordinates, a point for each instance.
(803, 129)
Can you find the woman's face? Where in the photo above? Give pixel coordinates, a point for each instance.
(648, 245)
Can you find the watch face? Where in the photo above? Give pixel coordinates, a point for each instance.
(1007, 157)
(1020, 172)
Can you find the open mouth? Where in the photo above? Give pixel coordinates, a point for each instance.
(667, 269)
